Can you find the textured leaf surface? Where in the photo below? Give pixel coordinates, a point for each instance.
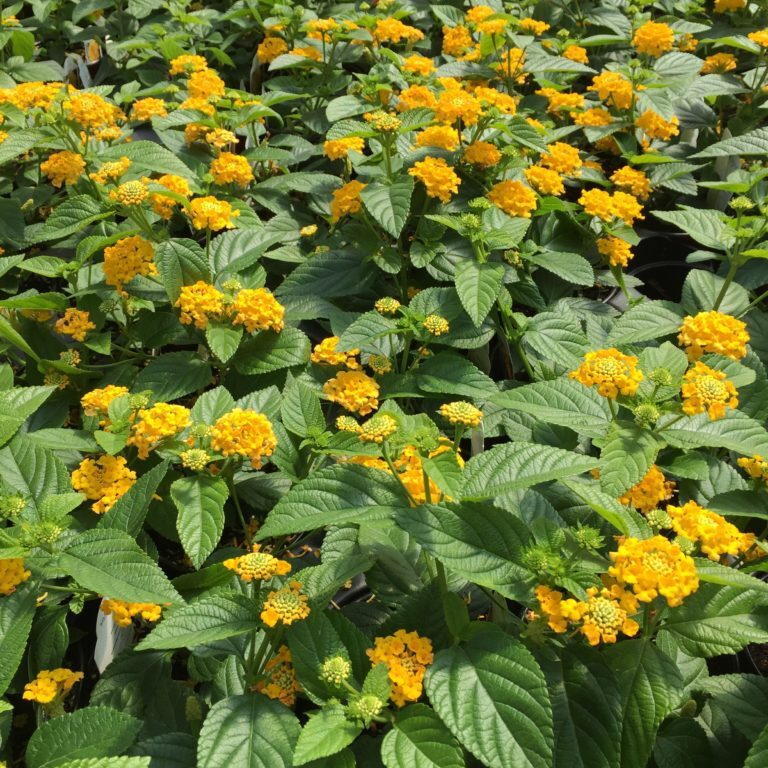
(627, 455)
(248, 732)
(200, 501)
(492, 695)
(110, 563)
(269, 351)
(16, 613)
(174, 375)
(646, 321)
(326, 733)
(389, 204)
(735, 431)
(478, 285)
(420, 740)
(207, 620)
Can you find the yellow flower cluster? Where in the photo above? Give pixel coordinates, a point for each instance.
(418, 65)
(650, 491)
(562, 158)
(211, 213)
(514, 198)
(163, 205)
(391, 30)
(130, 193)
(346, 200)
(123, 612)
(96, 402)
(326, 353)
(436, 325)
(186, 64)
(722, 6)
(756, 467)
(229, 168)
(244, 433)
(607, 206)
(653, 567)
(706, 389)
(354, 391)
(378, 428)
(285, 605)
(406, 656)
(279, 680)
(156, 424)
(482, 153)
(593, 117)
(103, 480)
(257, 310)
(338, 149)
(714, 332)
(718, 63)
(91, 111)
(613, 88)
(145, 109)
(600, 618)
(127, 258)
(544, 180)
(51, 684)
(63, 167)
(618, 251)
(714, 534)
(257, 565)
(454, 104)
(461, 413)
(12, 573)
(633, 181)
(200, 303)
(438, 178)
(110, 171)
(656, 127)
(654, 38)
(33, 95)
(611, 371)
(441, 136)
(270, 48)
(760, 37)
(75, 323)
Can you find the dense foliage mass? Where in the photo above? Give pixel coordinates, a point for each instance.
(383, 384)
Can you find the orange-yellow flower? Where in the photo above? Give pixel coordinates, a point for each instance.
(438, 178)
(103, 480)
(653, 38)
(354, 391)
(244, 433)
(346, 199)
(611, 371)
(406, 656)
(714, 332)
(706, 389)
(514, 198)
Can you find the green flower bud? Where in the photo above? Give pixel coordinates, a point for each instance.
(195, 459)
(686, 545)
(742, 203)
(335, 670)
(658, 519)
(480, 204)
(646, 415)
(365, 708)
(136, 402)
(588, 537)
(11, 504)
(661, 376)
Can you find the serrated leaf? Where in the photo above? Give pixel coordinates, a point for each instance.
(420, 740)
(389, 204)
(269, 351)
(703, 225)
(750, 143)
(16, 613)
(128, 512)
(651, 687)
(74, 214)
(716, 620)
(701, 290)
(334, 495)
(108, 762)
(300, 409)
(758, 754)
(586, 704)
(248, 731)
(557, 337)
(174, 375)
(478, 286)
(19, 142)
(520, 465)
(734, 431)
(715, 573)
(447, 373)
(86, 733)
(169, 750)
(200, 501)
(223, 340)
(563, 401)
(111, 563)
(326, 733)
(646, 321)
(212, 405)
(209, 619)
(16, 405)
(370, 332)
(481, 543)
(570, 267)
(180, 262)
(149, 157)
(626, 520)
(743, 697)
(494, 680)
(626, 456)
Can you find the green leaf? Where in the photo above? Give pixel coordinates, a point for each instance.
(370, 332)
(734, 431)
(180, 262)
(16, 405)
(248, 731)
(586, 704)
(420, 740)
(148, 157)
(563, 401)
(717, 620)
(570, 267)
(74, 214)
(108, 762)
(626, 456)
(701, 289)
(646, 321)
(89, 732)
(327, 275)
(334, 495)
(168, 750)
(300, 409)
(174, 375)
(478, 286)
(626, 520)
(494, 680)
(758, 755)
(715, 573)
(557, 337)
(326, 733)
(682, 742)
(200, 501)
(446, 373)
(269, 351)
(209, 619)
(750, 143)
(389, 204)
(16, 613)
(128, 512)
(19, 142)
(212, 405)
(481, 543)
(743, 697)
(110, 563)
(223, 339)
(511, 466)
(651, 687)
(9, 333)
(703, 225)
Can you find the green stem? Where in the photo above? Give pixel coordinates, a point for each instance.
(728, 280)
(396, 474)
(236, 499)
